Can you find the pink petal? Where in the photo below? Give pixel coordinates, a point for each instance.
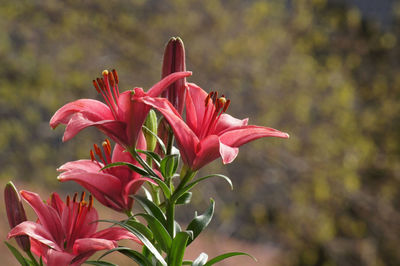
(185, 137)
(207, 151)
(103, 186)
(35, 231)
(157, 88)
(47, 216)
(227, 122)
(58, 258)
(93, 109)
(82, 165)
(116, 130)
(116, 233)
(86, 245)
(56, 202)
(228, 154)
(195, 106)
(241, 135)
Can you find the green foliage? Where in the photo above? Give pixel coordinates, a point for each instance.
(316, 69)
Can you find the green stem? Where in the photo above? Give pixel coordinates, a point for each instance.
(129, 213)
(170, 213)
(32, 258)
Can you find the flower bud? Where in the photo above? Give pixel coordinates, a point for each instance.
(151, 124)
(174, 61)
(15, 213)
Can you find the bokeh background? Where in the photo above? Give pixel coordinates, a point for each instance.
(326, 72)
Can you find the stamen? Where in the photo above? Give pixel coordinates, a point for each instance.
(111, 79)
(92, 156)
(228, 102)
(75, 196)
(83, 196)
(215, 96)
(68, 200)
(115, 76)
(90, 202)
(96, 86)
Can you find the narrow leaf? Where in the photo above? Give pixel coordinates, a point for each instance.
(159, 140)
(162, 185)
(142, 238)
(100, 263)
(17, 254)
(151, 209)
(200, 222)
(179, 193)
(175, 255)
(134, 255)
(131, 166)
(225, 256)
(185, 198)
(160, 234)
(169, 165)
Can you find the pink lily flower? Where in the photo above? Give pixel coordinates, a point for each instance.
(112, 186)
(65, 233)
(120, 118)
(209, 133)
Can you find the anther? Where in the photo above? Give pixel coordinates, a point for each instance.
(96, 86)
(207, 99)
(68, 200)
(97, 150)
(83, 196)
(90, 202)
(75, 196)
(101, 84)
(111, 79)
(226, 105)
(106, 147)
(215, 96)
(105, 72)
(92, 156)
(115, 76)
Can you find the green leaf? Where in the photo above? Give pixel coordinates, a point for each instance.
(160, 234)
(151, 209)
(131, 166)
(159, 140)
(164, 188)
(169, 165)
(181, 191)
(156, 158)
(225, 256)
(23, 261)
(200, 222)
(100, 263)
(141, 228)
(201, 260)
(133, 254)
(175, 255)
(142, 238)
(185, 198)
(187, 262)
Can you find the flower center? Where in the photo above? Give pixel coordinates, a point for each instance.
(107, 86)
(215, 107)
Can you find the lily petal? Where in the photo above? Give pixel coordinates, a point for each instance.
(94, 110)
(241, 135)
(47, 216)
(35, 231)
(116, 233)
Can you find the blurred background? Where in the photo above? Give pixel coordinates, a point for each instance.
(327, 72)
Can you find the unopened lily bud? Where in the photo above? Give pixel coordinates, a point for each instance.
(151, 124)
(16, 213)
(174, 61)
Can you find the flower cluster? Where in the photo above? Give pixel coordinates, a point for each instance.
(144, 127)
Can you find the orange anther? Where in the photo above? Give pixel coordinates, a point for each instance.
(115, 76)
